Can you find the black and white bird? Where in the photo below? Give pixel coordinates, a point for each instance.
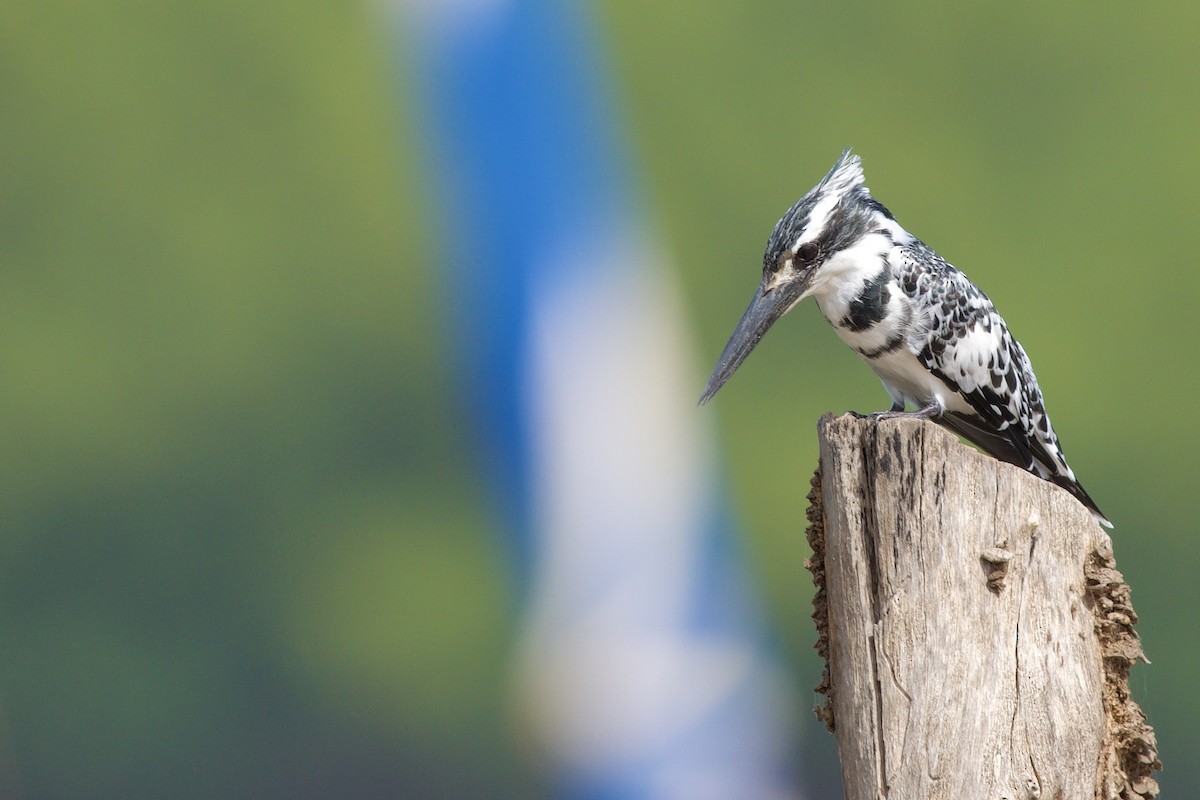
(932, 337)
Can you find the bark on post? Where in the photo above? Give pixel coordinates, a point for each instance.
(977, 633)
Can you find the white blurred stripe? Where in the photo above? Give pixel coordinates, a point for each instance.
(613, 665)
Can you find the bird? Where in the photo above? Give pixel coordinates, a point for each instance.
(933, 338)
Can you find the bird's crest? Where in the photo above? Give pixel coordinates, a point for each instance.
(845, 176)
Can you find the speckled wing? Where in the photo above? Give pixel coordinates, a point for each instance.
(968, 346)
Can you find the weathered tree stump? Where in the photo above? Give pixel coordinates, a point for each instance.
(977, 634)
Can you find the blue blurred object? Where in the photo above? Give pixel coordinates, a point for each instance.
(643, 662)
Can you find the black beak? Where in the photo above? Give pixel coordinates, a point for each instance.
(769, 304)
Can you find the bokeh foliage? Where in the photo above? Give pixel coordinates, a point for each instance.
(242, 551)
(244, 547)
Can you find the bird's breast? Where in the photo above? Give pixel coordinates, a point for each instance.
(886, 328)
(873, 317)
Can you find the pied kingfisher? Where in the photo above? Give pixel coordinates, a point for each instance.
(932, 337)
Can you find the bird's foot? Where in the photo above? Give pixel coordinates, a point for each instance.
(928, 412)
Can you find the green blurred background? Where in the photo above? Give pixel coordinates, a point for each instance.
(244, 551)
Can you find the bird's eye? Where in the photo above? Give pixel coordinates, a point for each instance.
(808, 251)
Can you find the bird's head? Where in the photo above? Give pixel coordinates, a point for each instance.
(802, 256)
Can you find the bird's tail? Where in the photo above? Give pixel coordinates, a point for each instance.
(1080, 494)
(1000, 445)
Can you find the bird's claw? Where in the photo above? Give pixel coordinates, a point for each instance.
(928, 412)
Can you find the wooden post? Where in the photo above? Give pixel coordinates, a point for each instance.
(977, 634)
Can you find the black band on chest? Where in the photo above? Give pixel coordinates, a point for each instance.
(870, 307)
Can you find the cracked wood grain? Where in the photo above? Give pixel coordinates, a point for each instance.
(959, 596)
